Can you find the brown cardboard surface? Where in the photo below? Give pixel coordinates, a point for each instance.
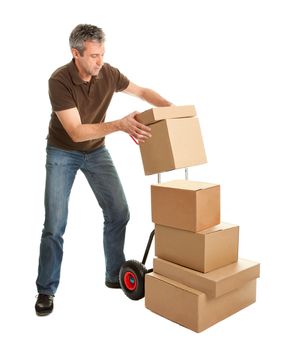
(175, 144)
(153, 115)
(188, 205)
(215, 283)
(202, 251)
(192, 308)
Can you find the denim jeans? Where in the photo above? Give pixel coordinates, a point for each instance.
(61, 169)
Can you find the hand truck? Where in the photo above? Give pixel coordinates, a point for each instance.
(132, 272)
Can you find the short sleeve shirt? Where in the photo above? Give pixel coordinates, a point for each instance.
(67, 90)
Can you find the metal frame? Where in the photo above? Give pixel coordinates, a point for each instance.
(148, 246)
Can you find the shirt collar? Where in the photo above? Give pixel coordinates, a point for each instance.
(75, 75)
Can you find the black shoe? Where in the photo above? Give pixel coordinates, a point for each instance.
(112, 284)
(44, 304)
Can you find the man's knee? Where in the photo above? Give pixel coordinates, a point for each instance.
(119, 215)
(124, 215)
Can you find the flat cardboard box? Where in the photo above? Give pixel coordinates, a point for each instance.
(202, 251)
(188, 205)
(175, 144)
(214, 283)
(153, 115)
(192, 308)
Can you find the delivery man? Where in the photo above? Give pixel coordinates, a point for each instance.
(80, 93)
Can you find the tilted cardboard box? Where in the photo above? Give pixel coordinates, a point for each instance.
(202, 251)
(215, 283)
(192, 308)
(176, 140)
(188, 205)
(153, 115)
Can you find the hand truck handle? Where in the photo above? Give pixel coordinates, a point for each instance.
(159, 176)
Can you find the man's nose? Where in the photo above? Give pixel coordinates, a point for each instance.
(100, 61)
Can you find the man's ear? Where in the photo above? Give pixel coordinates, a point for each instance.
(75, 53)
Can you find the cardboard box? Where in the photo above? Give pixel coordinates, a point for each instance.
(214, 283)
(202, 251)
(188, 205)
(175, 144)
(192, 308)
(176, 140)
(153, 115)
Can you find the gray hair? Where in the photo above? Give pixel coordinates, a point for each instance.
(85, 32)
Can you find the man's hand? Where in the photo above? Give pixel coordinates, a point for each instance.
(138, 130)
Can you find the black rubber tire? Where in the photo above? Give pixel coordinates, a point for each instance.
(132, 279)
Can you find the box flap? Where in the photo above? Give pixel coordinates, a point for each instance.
(174, 283)
(215, 283)
(155, 114)
(216, 228)
(186, 185)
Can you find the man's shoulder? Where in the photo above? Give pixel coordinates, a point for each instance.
(108, 68)
(109, 72)
(61, 73)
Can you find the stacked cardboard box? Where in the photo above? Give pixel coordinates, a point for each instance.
(176, 139)
(197, 279)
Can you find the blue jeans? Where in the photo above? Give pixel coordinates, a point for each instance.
(61, 169)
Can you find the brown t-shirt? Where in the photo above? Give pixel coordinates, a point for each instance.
(68, 90)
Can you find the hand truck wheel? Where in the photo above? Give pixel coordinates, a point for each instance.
(132, 279)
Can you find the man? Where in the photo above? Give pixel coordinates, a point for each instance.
(80, 93)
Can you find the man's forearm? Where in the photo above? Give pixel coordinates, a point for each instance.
(127, 124)
(86, 132)
(154, 98)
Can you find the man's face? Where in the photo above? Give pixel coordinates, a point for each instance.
(92, 60)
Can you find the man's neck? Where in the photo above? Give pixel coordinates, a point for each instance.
(85, 77)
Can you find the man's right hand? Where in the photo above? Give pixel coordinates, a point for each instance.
(132, 127)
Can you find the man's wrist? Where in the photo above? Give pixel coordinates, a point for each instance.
(118, 125)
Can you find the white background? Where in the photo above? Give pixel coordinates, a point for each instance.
(235, 61)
